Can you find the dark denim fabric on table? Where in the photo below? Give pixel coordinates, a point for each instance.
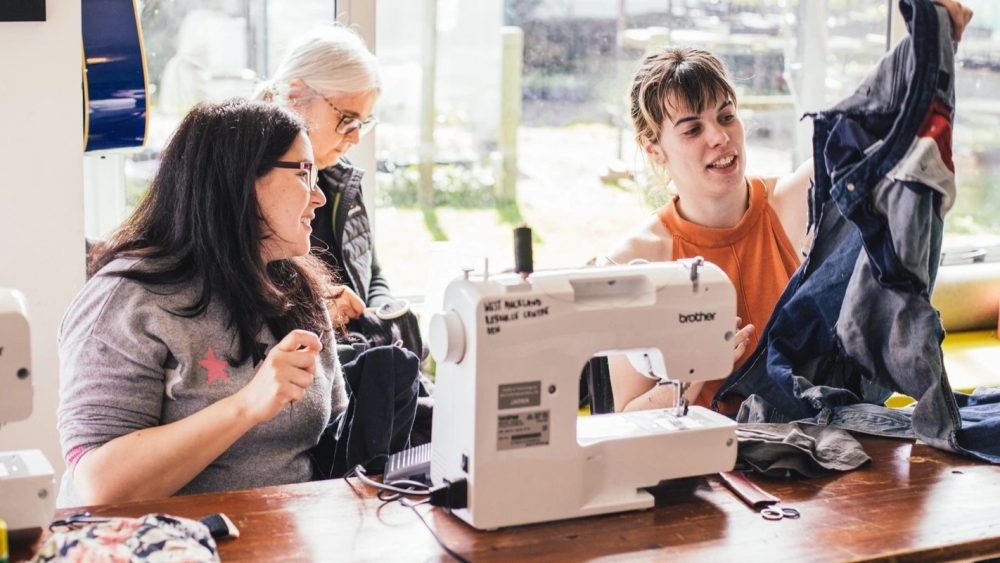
(869, 418)
(855, 321)
(798, 448)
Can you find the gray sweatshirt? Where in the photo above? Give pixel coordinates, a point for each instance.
(127, 363)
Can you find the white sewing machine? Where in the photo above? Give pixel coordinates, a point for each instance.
(27, 481)
(509, 352)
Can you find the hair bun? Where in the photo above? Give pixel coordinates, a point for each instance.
(267, 91)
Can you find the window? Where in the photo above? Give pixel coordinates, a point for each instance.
(540, 86)
(525, 120)
(972, 227)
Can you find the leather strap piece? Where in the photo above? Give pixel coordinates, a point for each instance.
(755, 497)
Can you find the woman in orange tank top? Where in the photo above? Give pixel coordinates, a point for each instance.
(683, 106)
(684, 112)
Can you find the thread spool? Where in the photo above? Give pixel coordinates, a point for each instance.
(523, 261)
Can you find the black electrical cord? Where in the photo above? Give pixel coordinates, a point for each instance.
(397, 492)
(413, 506)
(413, 488)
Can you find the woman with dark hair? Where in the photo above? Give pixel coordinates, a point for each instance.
(200, 356)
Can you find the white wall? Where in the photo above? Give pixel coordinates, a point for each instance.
(41, 196)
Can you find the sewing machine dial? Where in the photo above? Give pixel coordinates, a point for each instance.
(447, 337)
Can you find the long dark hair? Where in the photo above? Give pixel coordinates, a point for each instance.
(200, 217)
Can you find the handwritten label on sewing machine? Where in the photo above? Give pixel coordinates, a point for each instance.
(517, 395)
(522, 430)
(499, 312)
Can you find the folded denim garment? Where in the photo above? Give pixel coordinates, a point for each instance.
(807, 450)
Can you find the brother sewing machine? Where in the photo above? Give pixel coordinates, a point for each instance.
(509, 351)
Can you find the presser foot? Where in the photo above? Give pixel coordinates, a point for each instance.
(680, 387)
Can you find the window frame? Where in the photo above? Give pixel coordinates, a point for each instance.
(360, 15)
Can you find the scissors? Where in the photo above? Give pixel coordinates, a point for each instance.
(777, 512)
(757, 498)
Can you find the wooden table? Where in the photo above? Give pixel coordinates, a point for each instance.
(912, 502)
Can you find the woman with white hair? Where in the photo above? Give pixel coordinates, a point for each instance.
(331, 79)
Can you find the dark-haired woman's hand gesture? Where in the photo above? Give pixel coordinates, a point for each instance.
(283, 377)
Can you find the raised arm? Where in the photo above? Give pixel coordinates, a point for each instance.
(790, 201)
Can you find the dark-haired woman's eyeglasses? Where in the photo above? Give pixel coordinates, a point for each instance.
(348, 122)
(303, 165)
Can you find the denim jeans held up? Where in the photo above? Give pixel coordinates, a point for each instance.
(855, 321)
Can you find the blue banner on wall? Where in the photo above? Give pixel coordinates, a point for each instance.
(115, 84)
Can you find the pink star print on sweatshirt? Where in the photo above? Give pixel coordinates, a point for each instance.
(216, 367)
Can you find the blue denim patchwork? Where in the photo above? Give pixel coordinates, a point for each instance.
(865, 418)
(855, 321)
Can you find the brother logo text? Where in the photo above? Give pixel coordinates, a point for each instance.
(695, 317)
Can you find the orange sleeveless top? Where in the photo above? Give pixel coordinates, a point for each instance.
(756, 255)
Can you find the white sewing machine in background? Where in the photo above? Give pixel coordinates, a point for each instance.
(509, 352)
(27, 481)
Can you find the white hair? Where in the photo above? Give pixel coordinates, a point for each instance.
(331, 60)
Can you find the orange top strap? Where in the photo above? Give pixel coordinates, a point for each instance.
(755, 253)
